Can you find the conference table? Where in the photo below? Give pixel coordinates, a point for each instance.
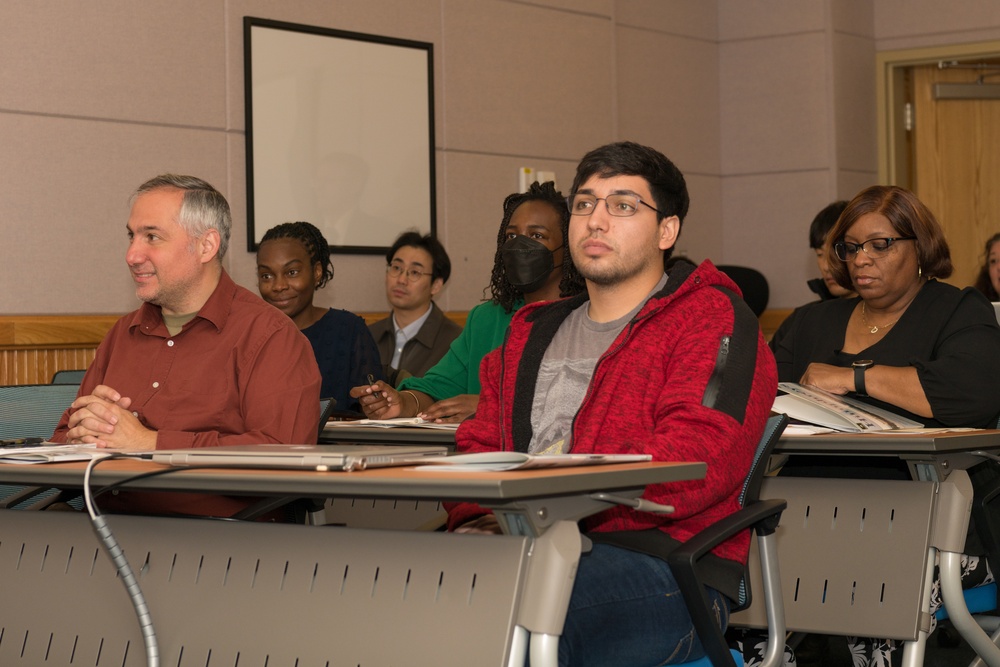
(225, 592)
(857, 556)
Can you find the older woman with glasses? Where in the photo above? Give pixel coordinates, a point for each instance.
(907, 343)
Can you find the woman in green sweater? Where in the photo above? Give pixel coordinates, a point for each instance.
(531, 264)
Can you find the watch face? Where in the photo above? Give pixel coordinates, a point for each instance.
(863, 363)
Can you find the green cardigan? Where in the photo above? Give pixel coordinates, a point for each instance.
(458, 371)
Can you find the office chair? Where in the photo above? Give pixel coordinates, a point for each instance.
(68, 377)
(30, 411)
(752, 284)
(762, 516)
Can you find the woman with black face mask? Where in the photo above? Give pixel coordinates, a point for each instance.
(532, 263)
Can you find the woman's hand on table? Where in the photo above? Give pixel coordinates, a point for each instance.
(834, 379)
(451, 410)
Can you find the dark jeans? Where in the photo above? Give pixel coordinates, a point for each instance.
(626, 609)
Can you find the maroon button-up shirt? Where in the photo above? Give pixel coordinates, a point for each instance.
(239, 373)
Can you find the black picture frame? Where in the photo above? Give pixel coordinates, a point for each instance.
(339, 133)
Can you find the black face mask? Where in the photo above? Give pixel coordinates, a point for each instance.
(527, 262)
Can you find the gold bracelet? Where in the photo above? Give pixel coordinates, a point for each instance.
(416, 401)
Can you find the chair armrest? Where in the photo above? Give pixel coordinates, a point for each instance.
(763, 517)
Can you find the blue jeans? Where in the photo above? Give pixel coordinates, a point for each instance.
(626, 610)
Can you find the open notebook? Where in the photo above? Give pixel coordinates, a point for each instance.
(343, 457)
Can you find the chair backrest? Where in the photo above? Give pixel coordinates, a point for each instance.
(326, 406)
(33, 410)
(752, 284)
(68, 377)
(773, 429)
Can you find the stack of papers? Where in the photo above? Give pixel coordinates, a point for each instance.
(51, 453)
(501, 461)
(412, 422)
(839, 413)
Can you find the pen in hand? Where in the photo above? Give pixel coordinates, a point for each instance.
(371, 382)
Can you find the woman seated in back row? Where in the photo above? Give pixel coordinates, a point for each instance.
(293, 261)
(907, 343)
(988, 281)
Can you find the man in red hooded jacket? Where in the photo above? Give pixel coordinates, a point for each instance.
(669, 365)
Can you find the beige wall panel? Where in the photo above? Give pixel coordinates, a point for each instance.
(357, 283)
(596, 7)
(850, 183)
(675, 17)
(701, 234)
(525, 80)
(746, 19)
(65, 205)
(990, 34)
(775, 104)
(854, 102)
(767, 227)
(675, 106)
(477, 186)
(160, 62)
(855, 17)
(915, 18)
(418, 20)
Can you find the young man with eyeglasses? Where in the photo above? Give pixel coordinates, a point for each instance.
(644, 362)
(417, 333)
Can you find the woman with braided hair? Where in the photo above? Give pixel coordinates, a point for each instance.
(293, 261)
(532, 263)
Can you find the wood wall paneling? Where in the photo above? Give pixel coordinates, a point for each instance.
(33, 348)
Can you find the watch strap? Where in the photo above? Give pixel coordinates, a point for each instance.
(859, 380)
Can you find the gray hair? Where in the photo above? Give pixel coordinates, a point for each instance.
(202, 208)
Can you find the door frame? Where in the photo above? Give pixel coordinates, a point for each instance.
(890, 68)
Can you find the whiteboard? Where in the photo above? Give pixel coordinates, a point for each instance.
(339, 133)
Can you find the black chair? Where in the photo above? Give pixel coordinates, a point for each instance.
(762, 516)
(68, 377)
(752, 284)
(31, 411)
(326, 407)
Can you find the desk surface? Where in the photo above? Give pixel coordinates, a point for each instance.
(401, 482)
(933, 442)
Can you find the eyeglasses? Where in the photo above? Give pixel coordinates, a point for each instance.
(620, 205)
(874, 248)
(412, 275)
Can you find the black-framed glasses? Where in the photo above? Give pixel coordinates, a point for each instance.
(412, 275)
(619, 205)
(874, 248)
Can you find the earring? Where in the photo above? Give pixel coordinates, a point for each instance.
(920, 272)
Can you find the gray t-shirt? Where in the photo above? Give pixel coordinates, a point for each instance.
(565, 373)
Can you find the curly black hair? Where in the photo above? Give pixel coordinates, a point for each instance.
(572, 283)
(311, 238)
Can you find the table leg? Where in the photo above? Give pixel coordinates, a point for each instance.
(518, 647)
(913, 652)
(950, 573)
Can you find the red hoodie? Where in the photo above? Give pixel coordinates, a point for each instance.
(690, 378)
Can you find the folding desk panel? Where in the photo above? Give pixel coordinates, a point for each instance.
(852, 556)
(237, 594)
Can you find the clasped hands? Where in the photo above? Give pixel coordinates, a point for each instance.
(103, 418)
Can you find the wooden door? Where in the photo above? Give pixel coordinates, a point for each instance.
(956, 168)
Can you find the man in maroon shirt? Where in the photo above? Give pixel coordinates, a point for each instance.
(203, 362)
